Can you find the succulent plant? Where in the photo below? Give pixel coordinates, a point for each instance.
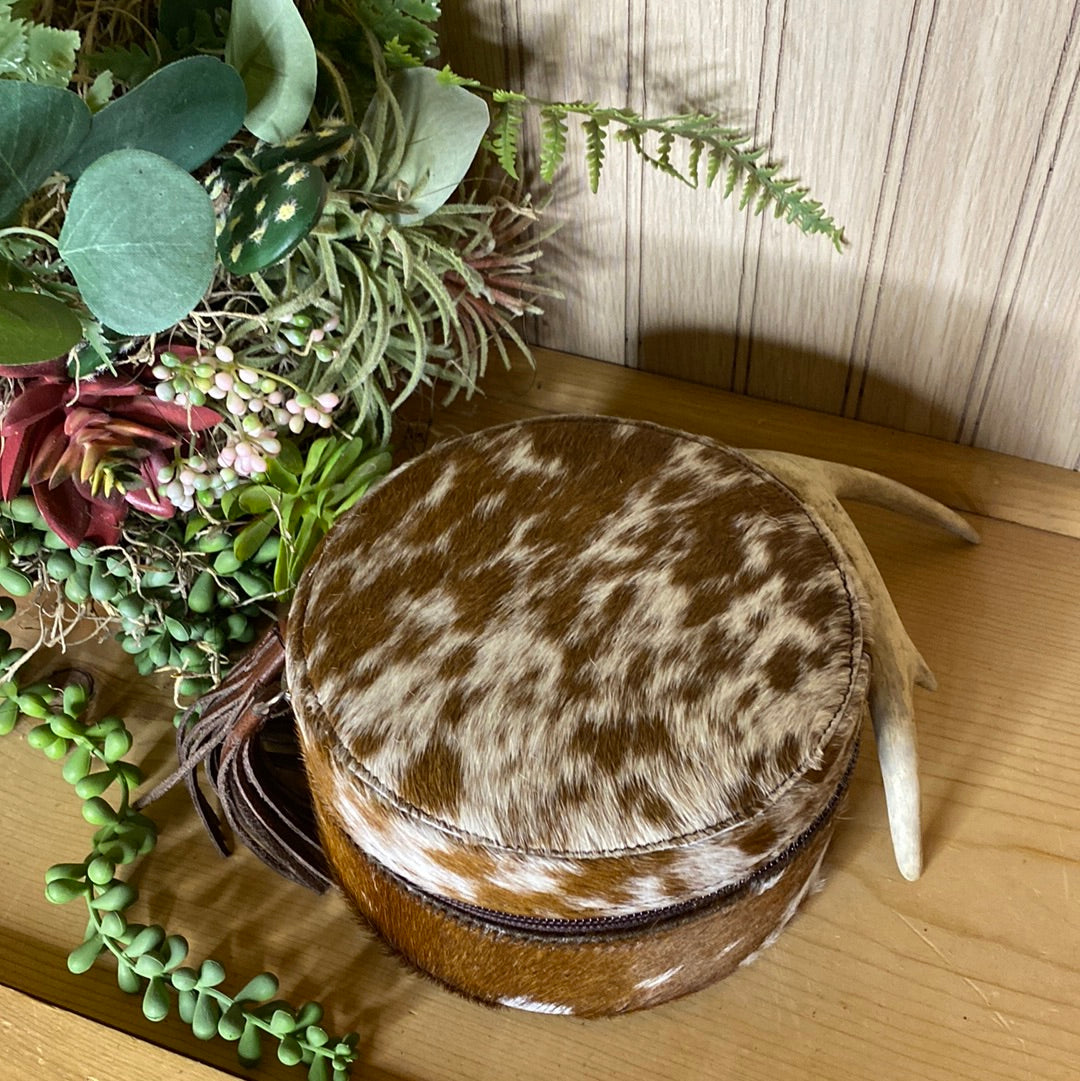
(269, 215)
(332, 141)
(89, 449)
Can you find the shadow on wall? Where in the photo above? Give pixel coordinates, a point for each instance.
(718, 359)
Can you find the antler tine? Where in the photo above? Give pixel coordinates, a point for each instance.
(897, 664)
(850, 482)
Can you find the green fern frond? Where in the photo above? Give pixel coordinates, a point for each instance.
(553, 131)
(506, 129)
(760, 184)
(594, 150)
(449, 77)
(398, 55)
(693, 164)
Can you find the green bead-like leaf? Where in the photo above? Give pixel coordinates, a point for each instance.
(101, 871)
(77, 765)
(34, 328)
(176, 951)
(57, 749)
(9, 715)
(185, 112)
(148, 966)
(185, 1002)
(310, 1013)
(93, 784)
(270, 215)
(65, 870)
(204, 1020)
(443, 128)
(270, 47)
(155, 1004)
(82, 958)
(113, 925)
(40, 126)
(139, 239)
(117, 744)
(97, 812)
(211, 973)
(149, 938)
(249, 1049)
(126, 978)
(62, 890)
(258, 989)
(231, 1024)
(115, 899)
(185, 979)
(74, 699)
(289, 1051)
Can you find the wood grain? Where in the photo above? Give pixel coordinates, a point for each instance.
(942, 135)
(971, 973)
(50, 1044)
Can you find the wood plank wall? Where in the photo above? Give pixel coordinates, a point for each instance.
(944, 135)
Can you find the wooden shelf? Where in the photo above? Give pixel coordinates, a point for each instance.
(973, 972)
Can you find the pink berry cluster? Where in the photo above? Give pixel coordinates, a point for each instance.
(194, 480)
(260, 405)
(303, 334)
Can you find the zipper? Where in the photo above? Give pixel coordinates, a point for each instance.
(634, 921)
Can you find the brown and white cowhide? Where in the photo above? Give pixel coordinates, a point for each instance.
(578, 699)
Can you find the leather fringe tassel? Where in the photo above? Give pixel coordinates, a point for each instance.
(242, 734)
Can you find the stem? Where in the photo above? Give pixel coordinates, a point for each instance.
(340, 88)
(25, 230)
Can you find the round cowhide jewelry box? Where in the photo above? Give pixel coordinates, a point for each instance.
(579, 699)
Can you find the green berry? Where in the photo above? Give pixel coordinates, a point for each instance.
(14, 582)
(23, 509)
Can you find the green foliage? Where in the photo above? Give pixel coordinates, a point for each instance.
(175, 608)
(330, 142)
(553, 131)
(33, 53)
(150, 962)
(506, 129)
(428, 131)
(191, 24)
(139, 240)
(402, 298)
(40, 126)
(186, 112)
(595, 133)
(724, 149)
(128, 64)
(269, 215)
(34, 328)
(301, 498)
(270, 47)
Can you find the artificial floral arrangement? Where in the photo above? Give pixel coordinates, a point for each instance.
(234, 239)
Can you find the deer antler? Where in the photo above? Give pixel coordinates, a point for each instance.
(897, 664)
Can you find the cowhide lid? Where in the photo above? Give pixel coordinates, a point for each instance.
(576, 664)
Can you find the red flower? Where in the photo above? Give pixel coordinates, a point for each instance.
(87, 450)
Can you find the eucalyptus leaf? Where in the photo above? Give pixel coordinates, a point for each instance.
(34, 328)
(139, 239)
(185, 112)
(443, 128)
(40, 126)
(270, 46)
